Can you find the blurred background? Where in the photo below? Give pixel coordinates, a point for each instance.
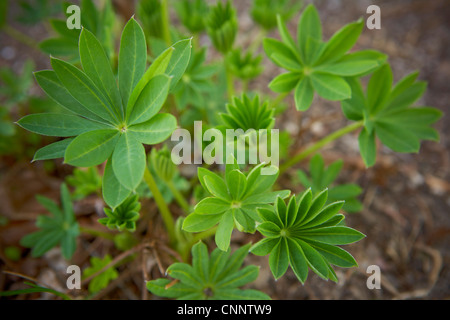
(405, 197)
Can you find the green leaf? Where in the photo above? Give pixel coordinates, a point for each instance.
(332, 235)
(276, 48)
(132, 58)
(367, 147)
(264, 247)
(285, 82)
(91, 148)
(308, 27)
(151, 100)
(52, 86)
(84, 90)
(341, 42)
(335, 255)
(53, 151)
(61, 228)
(304, 94)
(315, 260)
(199, 222)
(224, 230)
(102, 280)
(297, 260)
(237, 182)
(279, 259)
(155, 130)
(379, 88)
(129, 161)
(97, 67)
(114, 193)
(58, 124)
(211, 206)
(179, 61)
(330, 87)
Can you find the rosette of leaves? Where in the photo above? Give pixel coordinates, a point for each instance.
(196, 81)
(192, 14)
(387, 113)
(222, 26)
(264, 12)
(244, 66)
(246, 113)
(102, 280)
(315, 66)
(109, 121)
(99, 21)
(232, 201)
(124, 216)
(320, 177)
(85, 182)
(305, 234)
(218, 276)
(61, 228)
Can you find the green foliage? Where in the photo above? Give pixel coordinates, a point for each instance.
(15, 87)
(215, 277)
(245, 113)
(233, 201)
(321, 178)
(85, 182)
(304, 234)
(315, 66)
(102, 280)
(265, 12)
(61, 228)
(33, 12)
(124, 216)
(110, 122)
(192, 14)
(222, 26)
(196, 81)
(33, 289)
(244, 66)
(149, 12)
(388, 115)
(99, 21)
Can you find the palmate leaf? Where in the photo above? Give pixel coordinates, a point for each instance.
(222, 26)
(233, 201)
(315, 66)
(304, 234)
(124, 216)
(111, 118)
(102, 280)
(59, 228)
(320, 177)
(388, 114)
(209, 277)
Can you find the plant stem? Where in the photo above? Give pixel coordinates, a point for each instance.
(319, 144)
(165, 22)
(21, 37)
(97, 233)
(162, 206)
(230, 83)
(178, 196)
(278, 99)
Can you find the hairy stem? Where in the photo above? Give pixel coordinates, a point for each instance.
(319, 144)
(162, 206)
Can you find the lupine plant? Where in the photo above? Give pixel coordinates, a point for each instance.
(121, 108)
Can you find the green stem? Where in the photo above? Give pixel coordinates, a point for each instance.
(258, 40)
(278, 99)
(21, 37)
(161, 203)
(230, 83)
(319, 144)
(165, 22)
(178, 196)
(97, 233)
